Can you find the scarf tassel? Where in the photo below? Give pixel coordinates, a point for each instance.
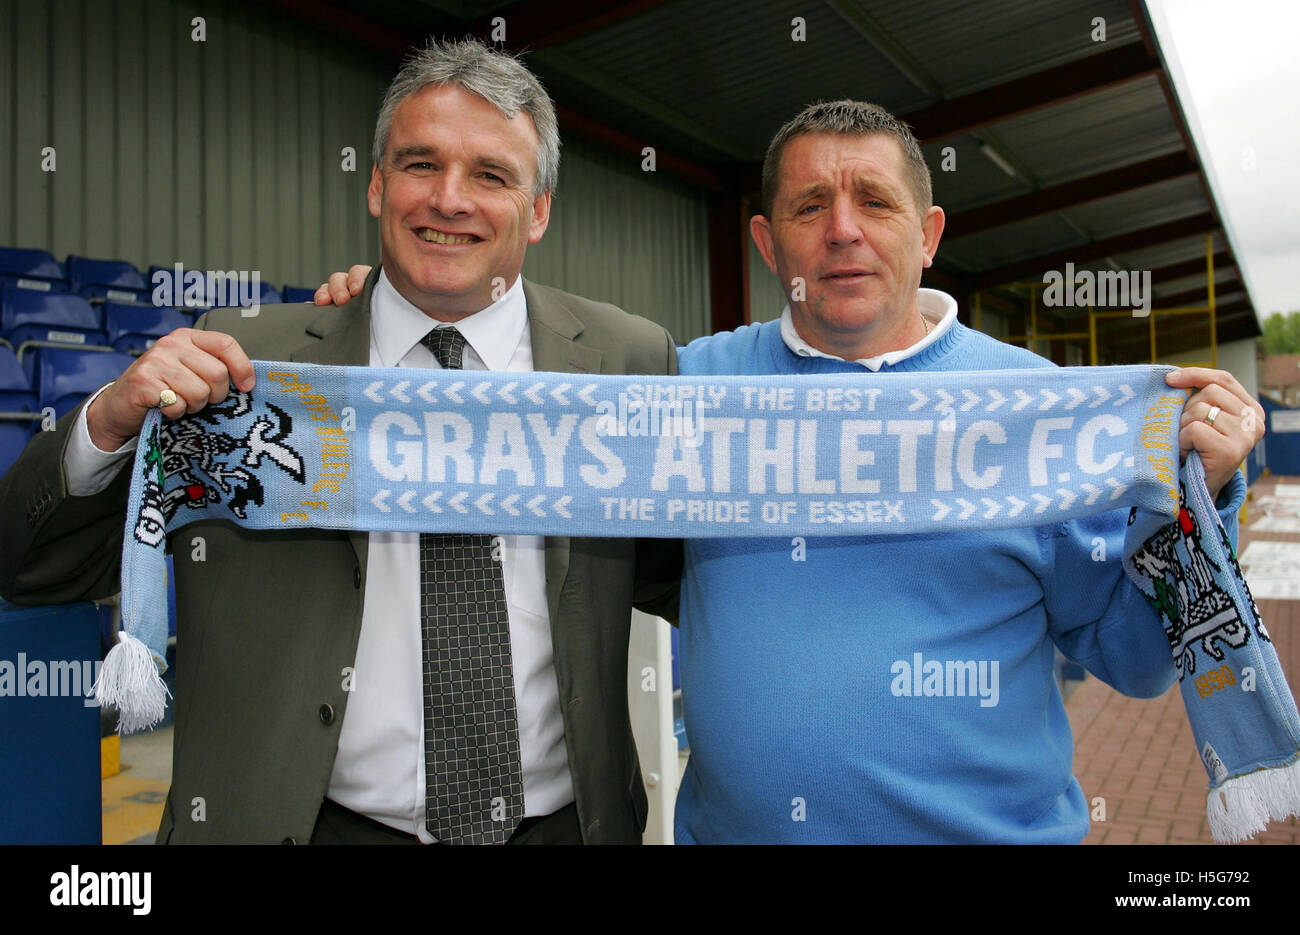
(1242, 807)
(130, 681)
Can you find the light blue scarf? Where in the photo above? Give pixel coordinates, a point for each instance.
(361, 448)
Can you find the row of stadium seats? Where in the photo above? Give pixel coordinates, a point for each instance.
(63, 377)
(62, 317)
(117, 280)
(67, 329)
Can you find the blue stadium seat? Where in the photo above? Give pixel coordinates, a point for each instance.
(298, 294)
(97, 294)
(17, 261)
(26, 315)
(215, 294)
(132, 329)
(107, 280)
(17, 405)
(83, 272)
(14, 386)
(178, 287)
(65, 376)
(31, 269)
(28, 282)
(269, 295)
(231, 294)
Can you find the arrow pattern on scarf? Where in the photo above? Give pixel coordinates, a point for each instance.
(384, 501)
(1009, 507)
(1047, 399)
(482, 392)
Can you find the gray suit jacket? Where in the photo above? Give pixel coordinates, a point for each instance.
(268, 622)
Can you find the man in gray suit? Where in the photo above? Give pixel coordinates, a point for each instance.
(306, 696)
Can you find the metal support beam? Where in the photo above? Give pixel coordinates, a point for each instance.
(1190, 297)
(727, 246)
(1070, 194)
(636, 101)
(1032, 92)
(1034, 267)
(1223, 261)
(1209, 279)
(603, 133)
(866, 25)
(533, 26)
(357, 29)
(361, 31)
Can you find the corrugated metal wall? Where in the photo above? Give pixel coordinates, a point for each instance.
(637, 239)
(221, 154)
(226, 154)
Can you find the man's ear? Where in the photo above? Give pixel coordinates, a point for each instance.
(541, 217)
(760, 228)
(931, 230)
(375, 192)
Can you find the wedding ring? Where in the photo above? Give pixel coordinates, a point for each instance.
(1213, 414)
(167, 398)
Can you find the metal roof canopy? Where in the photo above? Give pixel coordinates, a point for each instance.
(1068, 149)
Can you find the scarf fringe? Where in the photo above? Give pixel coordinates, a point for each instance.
(1242, 806)
(129, 681)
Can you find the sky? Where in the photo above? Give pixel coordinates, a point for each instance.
(1237, 73)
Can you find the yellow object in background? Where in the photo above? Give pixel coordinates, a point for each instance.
(110, 756)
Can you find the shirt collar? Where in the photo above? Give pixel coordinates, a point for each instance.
(938, 308)
(396, 326)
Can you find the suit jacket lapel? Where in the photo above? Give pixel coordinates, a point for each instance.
(343, 335)
(553, 329)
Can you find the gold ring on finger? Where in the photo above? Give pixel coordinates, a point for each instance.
(167, 398)
(1212, 414)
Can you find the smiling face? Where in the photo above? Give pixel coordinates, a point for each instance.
(455, 202)
(846, 223)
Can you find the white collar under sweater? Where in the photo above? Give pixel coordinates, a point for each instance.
(938, 308)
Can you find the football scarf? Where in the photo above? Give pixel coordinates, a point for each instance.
(362, 448)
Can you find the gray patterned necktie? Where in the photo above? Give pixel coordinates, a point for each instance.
(473, 777)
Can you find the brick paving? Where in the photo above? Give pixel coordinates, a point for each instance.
(1139, 755)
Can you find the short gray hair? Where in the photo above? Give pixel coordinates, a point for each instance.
(497, 77)
(850, 118)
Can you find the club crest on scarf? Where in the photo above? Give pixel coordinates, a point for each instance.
(1198, 612)
(214, 457)
(150, 523)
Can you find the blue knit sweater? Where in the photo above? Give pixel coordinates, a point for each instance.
(899, 688)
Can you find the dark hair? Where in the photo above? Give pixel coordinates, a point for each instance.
(851, 118)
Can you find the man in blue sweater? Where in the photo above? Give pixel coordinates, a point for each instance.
(809, 671)
(809, 668)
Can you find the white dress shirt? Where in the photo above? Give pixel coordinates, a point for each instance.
(379, 768)
(937, 308)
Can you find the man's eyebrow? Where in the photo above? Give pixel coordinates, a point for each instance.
(810, 190)
(407, 151)
(499, 165)
(876, 183)
(494, 163)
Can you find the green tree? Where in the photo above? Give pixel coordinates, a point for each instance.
(1282, 333)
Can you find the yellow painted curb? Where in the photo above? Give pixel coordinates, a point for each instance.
(110, 756)
(131, 808)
